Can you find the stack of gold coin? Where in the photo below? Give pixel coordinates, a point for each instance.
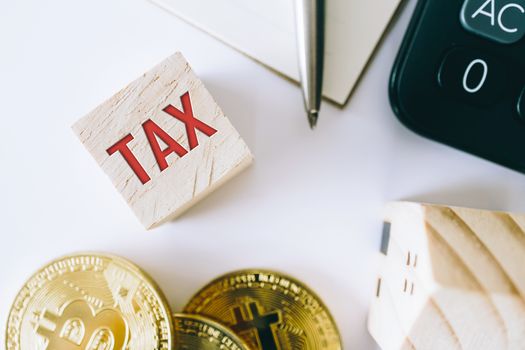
(268, 310)
(102, 302)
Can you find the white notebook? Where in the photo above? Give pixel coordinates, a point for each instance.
(265, 31)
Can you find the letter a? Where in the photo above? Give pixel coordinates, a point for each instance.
(482, 11)
(153, 131)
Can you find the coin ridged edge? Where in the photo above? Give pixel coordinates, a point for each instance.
(270, 272)
(221, 327)
(127, 263)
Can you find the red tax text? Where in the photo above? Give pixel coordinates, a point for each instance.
(154, 132)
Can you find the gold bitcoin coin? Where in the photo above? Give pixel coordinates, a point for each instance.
(89, 302)
(193, 332)
(268, 310)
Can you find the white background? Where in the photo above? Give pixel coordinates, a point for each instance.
(310, 206)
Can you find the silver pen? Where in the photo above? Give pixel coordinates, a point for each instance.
(310, 44)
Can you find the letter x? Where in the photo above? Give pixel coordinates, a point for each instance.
(186, 116)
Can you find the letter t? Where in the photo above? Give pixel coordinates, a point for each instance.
(122, 147)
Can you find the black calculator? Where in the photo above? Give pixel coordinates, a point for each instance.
(459, 77)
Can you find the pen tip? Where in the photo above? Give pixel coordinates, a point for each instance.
(312, 118)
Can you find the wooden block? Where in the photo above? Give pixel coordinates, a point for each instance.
(452, 278)
(164, 142)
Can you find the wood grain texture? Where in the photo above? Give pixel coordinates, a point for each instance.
(452, 278)
(187, 179)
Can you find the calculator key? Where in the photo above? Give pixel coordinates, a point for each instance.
(473, 76)
(521, 105)
(499, 20)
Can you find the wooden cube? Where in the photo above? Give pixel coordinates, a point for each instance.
(164, 142)
(453, 278)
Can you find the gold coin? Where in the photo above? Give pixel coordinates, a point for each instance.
(268, 310)
(91, 302)
(193, 332)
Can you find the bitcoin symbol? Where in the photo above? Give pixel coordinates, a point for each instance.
(77, 327)
(262, 323)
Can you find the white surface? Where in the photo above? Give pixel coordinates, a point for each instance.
(353, 29)
(310, 206)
